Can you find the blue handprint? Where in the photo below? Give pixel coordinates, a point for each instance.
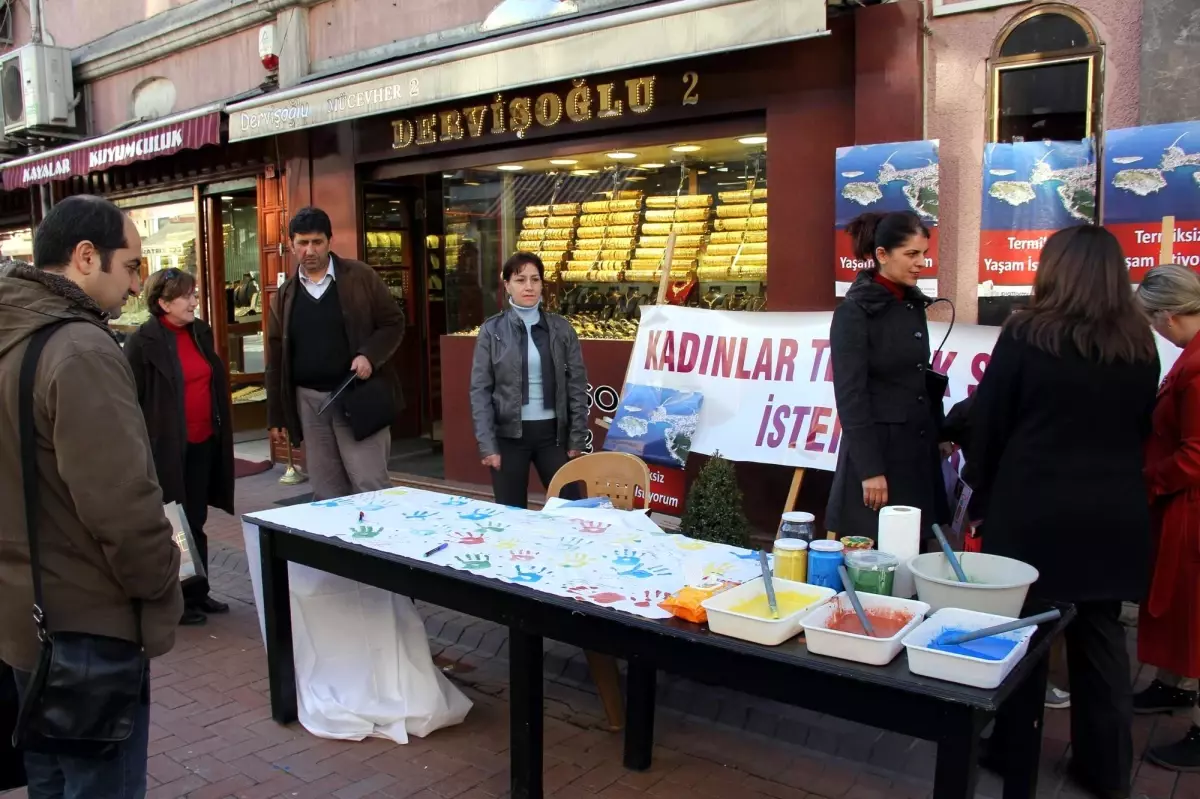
(642, 573)
(421, 515)
(377, 505)
(529, 575)
(424, 532)
(454, 502)
(627, 557)
(478, 515)
(749, 554)
(570, 544)
(331, 503)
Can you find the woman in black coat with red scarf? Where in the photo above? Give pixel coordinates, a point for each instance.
(184, 395)
(880, 349)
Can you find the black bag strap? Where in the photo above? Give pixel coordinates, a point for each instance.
(28, 432)
(949, 330)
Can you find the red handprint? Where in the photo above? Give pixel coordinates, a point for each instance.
(585, 593)
(591, 528)
(648, 599)
(523, 554)
(470, 538)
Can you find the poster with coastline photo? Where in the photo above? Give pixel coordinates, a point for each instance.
(900, 176)
(1030, 190)
(1152, 172)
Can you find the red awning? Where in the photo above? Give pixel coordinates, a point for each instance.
(186, 131)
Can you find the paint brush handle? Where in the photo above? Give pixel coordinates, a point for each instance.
(950, 556)
(768, 584)
(854, 601)
(1008, 626)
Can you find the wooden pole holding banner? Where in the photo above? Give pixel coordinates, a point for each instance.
(1166, 254)
(664, 279)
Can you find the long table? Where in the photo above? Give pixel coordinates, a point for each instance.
(889, 697)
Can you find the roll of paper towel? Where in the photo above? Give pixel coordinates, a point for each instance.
(900, 535)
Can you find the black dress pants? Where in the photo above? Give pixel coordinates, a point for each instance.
(1101, 701)
(537, 445)
(197, 477)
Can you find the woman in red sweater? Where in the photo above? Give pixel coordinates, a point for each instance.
(1169, 622)
(183, 391)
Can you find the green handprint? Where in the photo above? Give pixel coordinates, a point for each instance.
(365, 531)
(475, 562)
(494, 527)
(578, 560)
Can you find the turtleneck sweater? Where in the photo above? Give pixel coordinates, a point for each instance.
(534, 408)
(197, 384)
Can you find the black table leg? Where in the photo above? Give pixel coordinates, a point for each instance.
(277, 613)
(1025, 710)
(525, 713)
(639, 713)
(958, 758)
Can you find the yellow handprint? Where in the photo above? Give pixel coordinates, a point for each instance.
(508, 543)
(627, 538)
(717, 569)
(577, 560)
(690, 545)
(395, 492)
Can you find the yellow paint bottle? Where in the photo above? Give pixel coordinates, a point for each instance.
(791, 559)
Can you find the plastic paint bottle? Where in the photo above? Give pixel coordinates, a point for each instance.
(824, 557)
(791, 559)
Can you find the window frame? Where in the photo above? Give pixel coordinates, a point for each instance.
(1092, 54)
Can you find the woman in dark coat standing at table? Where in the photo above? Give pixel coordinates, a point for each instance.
(184, 394)
(880, 348)
(1169, 620)
(1057, 434)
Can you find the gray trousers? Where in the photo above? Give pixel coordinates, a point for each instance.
(337, 464)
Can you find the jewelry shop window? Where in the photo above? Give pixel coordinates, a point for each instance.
(602, 223)
(1046, 77)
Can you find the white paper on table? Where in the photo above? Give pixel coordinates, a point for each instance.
(633, 520)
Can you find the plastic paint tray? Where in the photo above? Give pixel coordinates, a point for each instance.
(769, 632)
(962, 669)
(849, 646)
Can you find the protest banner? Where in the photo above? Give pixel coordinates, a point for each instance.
(1030, 190)
(767, 377)
(1153, 172)
(901, 176)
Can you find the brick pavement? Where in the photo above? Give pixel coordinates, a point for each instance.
(212, 736)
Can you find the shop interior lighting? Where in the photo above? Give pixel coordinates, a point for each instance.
(635, 178)
(226, 197)
(510, 167)
(584, 172)
(651, 166)
(447, 175)
(621, 156)
(563, 161)
(753, 140)
(686, 148)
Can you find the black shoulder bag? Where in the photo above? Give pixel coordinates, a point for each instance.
(936, 383)
(84, 695)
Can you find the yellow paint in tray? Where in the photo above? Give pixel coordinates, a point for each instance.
(789, 602)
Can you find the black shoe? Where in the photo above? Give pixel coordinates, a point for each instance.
(1162, 698)
(192, 618)
(1181, 756)
(210, 605)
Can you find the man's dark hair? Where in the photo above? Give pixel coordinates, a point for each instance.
(82, 217)
(310, 220)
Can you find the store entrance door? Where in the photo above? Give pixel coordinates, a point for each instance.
(395, 229)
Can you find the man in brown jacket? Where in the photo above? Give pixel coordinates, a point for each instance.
(333, 317)
(103, 537)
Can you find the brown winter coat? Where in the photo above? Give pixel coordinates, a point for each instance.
(374, 328)
(104, 538)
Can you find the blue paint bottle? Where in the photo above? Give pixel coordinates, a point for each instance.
(824, 557)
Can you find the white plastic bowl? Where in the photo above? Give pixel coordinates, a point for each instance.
(848, 646)
(1000, 583)
(769, 632)
(962, 669)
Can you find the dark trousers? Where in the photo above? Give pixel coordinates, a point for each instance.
(197, 478)
(1101, 700)
(122, 776)
(537, 445)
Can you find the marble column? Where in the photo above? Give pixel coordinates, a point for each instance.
(1170, 91)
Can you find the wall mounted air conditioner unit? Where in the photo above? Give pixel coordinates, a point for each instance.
(37, 91)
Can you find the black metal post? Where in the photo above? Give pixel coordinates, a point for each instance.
(277, 614)
(640, 689)
(525, 713)
(1023, 751)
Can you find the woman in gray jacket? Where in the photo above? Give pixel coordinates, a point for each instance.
(528, 387)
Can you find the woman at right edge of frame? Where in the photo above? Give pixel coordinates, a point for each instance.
(1060, 421)
(1169, 619)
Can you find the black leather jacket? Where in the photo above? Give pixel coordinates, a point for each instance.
(497, 377)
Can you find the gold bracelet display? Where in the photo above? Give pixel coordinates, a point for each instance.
(742, 196)
(537, 210)
(756, 223)
(665, 228)
(561, 222)
(678, 215)
(648, 264)
(712, 273)
(602, 255)
(642, 275)
(576, 265)
(732, 249)
(748, 272)
(682, 201)
(735, 236)
(658, 253)
(610, 206)
(607, 231)
(661, 241)
(727, 260)
(564, 209)
(605, 243)
(534, 222)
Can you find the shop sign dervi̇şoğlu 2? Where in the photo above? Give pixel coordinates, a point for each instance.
(581, 103)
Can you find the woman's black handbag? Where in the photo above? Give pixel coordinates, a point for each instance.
(84, 695)
(370, 406)
(12, 767)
